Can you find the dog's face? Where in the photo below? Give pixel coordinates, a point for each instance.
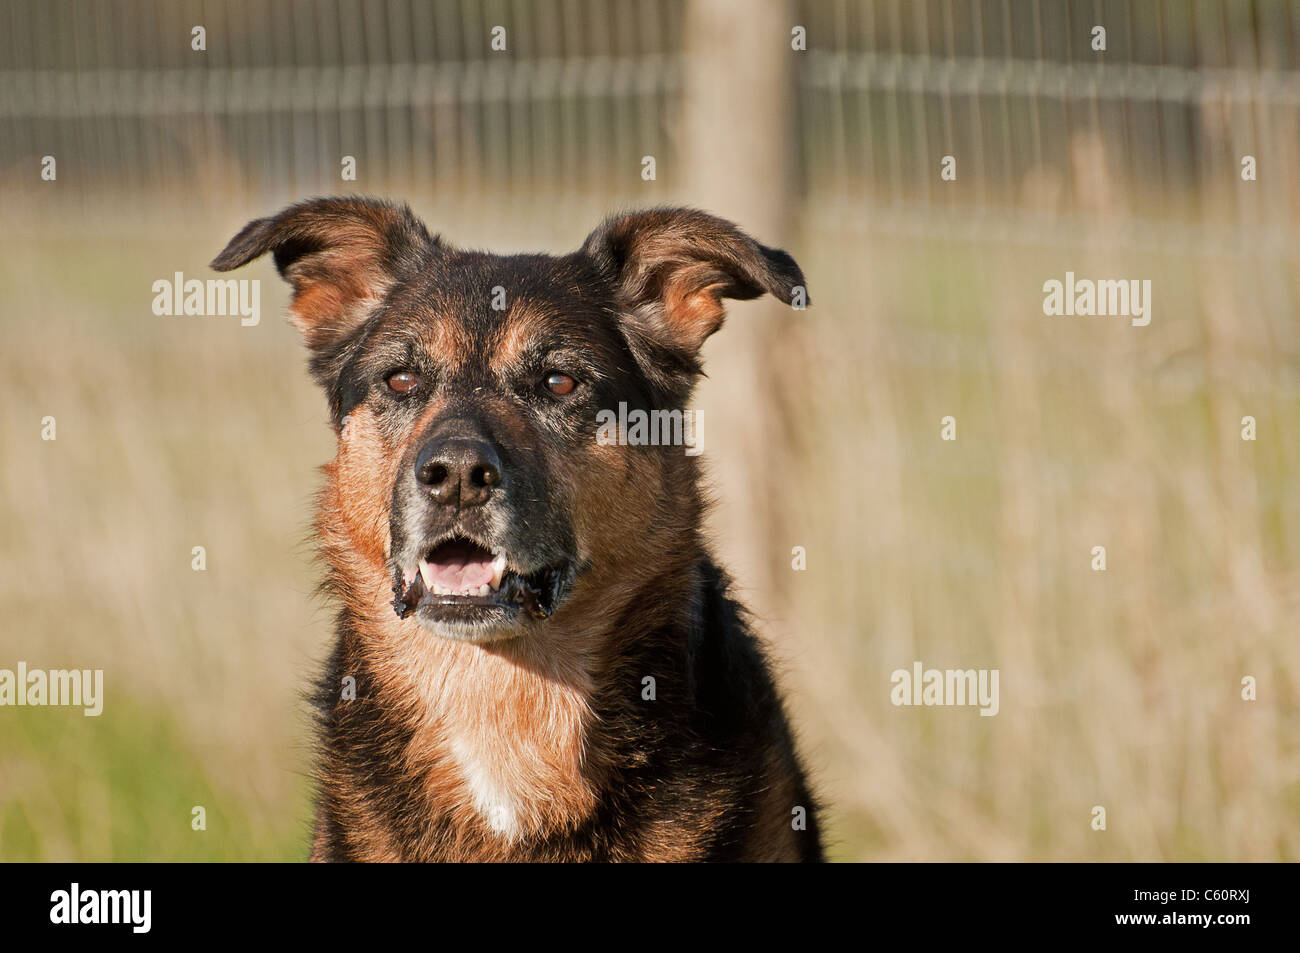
(467, 387)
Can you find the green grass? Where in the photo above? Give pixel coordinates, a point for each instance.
(123, 788)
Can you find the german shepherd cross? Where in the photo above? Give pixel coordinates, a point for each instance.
(537, 658)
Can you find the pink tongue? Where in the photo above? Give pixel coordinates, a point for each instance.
(459, 572)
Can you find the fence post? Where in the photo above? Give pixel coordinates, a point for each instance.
(737, 124)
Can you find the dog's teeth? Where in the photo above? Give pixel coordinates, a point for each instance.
(484, 589)
(426, 573)
(498, 570)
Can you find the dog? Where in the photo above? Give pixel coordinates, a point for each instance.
(537, 658)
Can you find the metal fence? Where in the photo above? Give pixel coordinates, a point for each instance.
(1038, 121)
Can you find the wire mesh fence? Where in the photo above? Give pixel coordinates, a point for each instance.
(1154, 126)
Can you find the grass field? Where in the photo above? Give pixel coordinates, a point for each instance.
(1119, 688)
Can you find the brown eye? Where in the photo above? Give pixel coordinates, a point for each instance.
(560, 384)
(401, 382)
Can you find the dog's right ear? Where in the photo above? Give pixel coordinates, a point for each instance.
(341, 256)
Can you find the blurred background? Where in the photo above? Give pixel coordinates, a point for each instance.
(820, 127)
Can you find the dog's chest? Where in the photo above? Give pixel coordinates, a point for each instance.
(501, 748)
(511, 790)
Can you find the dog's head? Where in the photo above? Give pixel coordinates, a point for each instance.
(473, 395)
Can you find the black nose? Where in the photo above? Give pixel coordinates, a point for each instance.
(459, 471)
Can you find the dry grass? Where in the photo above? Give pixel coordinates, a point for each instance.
(1118, 688)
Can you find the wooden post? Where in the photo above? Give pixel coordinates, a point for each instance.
(738, 127)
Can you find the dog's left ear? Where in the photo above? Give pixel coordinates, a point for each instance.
(341, 255)
(674, 266)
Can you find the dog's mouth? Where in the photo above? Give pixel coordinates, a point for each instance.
(460, 579)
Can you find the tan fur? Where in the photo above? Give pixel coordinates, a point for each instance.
(517, 332)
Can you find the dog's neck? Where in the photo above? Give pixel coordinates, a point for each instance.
(500, 734)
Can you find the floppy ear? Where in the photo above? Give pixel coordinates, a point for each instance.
(673, 267)
(340, 255)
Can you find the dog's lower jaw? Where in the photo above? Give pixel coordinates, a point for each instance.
(472, 633)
